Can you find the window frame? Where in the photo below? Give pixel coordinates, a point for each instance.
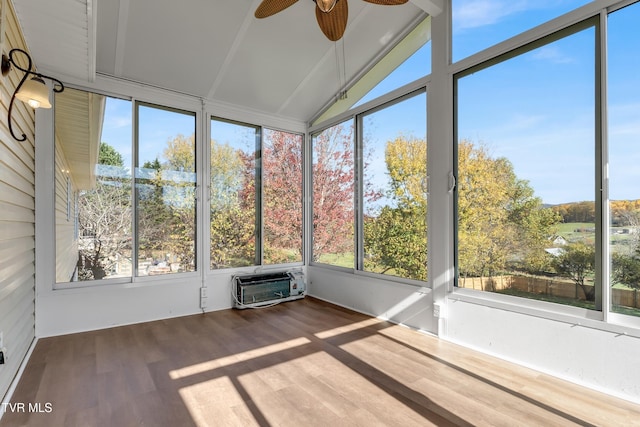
(259, 197)
(397, 96)
(605, 319)
(136, 105)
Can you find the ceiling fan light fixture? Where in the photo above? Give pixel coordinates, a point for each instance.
(326, 5)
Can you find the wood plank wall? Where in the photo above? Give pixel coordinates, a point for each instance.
(17, 216)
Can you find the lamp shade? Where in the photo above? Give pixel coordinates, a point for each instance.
(35, 93)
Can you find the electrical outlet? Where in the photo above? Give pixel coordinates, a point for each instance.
(203, 292)
(436, 310)
(203, 302)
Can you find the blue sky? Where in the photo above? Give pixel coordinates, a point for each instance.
(537, 109)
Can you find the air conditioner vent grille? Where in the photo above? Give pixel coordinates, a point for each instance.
(269, 288)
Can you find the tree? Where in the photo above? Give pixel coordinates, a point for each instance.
(500, 221)
(333, 180)
(577, 262)
(104, 218)
(282, 196)
(179, 194)
(109, 156)
(153, 215)
(626, 269)
(406, 160)
(232, 207)
(396, 241)
(396, 238)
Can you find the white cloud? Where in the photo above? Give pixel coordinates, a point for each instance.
(478, 13)
(552, 54)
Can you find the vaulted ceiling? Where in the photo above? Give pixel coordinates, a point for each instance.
(215, 49)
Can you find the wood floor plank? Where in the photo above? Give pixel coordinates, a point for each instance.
(306, 362)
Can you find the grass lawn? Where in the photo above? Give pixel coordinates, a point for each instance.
(340, 260)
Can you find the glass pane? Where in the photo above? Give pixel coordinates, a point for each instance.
(416, 66)
(93, 194)
(526, 174)
(624, 157)
(165, 191)
(233, 194)
(282, 196)
(333, 196)
(480, 24)
(394, 196)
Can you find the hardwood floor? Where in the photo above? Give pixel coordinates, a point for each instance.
(302, 363)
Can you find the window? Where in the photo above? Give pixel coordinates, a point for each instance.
(165, 191)
(123, 232)
(416, 66)
(527, 223)
(96, 168)
(333, 195)
(385, 178)
(624, 155)
(394, 198)
(479, 24)
(234, 222)
(282, 196)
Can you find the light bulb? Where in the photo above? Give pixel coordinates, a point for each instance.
(34, 103)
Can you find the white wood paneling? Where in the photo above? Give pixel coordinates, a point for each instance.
(17, 228)
(66, 243)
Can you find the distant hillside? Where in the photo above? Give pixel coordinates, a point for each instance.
(623, 212)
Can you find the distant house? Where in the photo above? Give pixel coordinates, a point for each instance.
(559, 241)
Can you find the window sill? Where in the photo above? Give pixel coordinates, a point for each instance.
(575, 316)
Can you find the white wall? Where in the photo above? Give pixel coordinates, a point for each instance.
(603, 360)
(400, 303)
(66, 311)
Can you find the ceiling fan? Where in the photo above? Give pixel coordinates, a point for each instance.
(331, 14)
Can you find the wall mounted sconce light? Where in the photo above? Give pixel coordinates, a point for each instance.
(34, 91)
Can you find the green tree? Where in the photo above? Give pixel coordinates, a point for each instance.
(577, 262)
(109, 156)
(626, 269)
(396, 239)
(232, 207)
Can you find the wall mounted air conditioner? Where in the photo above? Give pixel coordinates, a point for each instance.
(256, 290)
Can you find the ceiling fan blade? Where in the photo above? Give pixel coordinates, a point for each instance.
(271, 7)
(387, 2)
(333, 23)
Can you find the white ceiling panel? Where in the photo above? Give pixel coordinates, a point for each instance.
(213, 49)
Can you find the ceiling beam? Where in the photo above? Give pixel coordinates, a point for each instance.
(432, 7)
